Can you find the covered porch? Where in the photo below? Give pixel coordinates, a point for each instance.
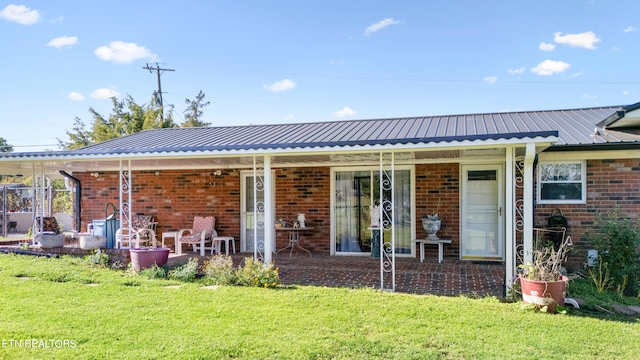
(248, 187)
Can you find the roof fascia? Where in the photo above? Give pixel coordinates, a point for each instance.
(628, 116)
(544, 139)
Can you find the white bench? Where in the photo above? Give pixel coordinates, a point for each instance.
(438, 242)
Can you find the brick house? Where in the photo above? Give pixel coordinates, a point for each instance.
(491, 178)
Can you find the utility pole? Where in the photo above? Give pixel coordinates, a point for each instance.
(158, 71)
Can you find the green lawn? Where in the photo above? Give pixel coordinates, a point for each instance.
(106, 314)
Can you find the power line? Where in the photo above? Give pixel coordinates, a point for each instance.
(417, 79)
(159, 71)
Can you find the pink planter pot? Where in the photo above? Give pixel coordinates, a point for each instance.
(544, 293)
(145, 257)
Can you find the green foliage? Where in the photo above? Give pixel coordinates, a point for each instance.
(218, 270)
(127, 118)
(617, 240)
(185, 272)
(98, 258)
(154, 272)
(256, 273)
(193, 113)
(5, 146)
(600, 276)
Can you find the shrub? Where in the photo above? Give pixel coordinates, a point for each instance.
(185, 272)
(98, 258)
(219, 270)
(154, 272)
(616, 239)
(256, 273)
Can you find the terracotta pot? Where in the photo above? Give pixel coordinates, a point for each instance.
(142, 258)
(544, 293)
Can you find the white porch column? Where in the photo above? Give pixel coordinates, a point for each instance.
(527, 197)
(510, 218)
(269, 216)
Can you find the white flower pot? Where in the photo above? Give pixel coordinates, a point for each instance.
(48, 241)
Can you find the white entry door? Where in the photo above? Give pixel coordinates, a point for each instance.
(481, 222)
(252, 206)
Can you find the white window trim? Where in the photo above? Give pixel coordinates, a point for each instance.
(583, 179)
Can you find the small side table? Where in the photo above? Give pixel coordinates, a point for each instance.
(217, 243)
(294, 239)
(438, 242)
(169, 234)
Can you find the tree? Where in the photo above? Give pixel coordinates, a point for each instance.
(5, 146)
(193, 113)
(127, 118)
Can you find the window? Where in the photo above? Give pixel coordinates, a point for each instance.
(562, 182)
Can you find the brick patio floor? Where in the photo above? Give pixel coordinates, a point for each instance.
(450, 278)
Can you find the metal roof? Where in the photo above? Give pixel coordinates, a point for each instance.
(572, 127)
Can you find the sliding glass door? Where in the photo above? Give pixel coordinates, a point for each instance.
(356, 192)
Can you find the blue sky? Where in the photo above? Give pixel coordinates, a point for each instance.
(261, 62)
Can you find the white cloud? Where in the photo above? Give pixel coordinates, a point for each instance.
(75, 96)
(589, 96)
(380, 25)
(121, 52)
(546, 47)
(490, 79)
(630, 29)
(625, 92)
(550, 67)
(103, 93)
(288, 117)
(20, 14)
(575, 75)
(279, 86)
(63, 41)
(584, 40)
(517, 71)
(345, 111)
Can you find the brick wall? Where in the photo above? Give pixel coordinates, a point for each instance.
(438, 191)
(175, 197)
(610, 183)
(305, 191)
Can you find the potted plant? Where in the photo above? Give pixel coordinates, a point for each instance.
(142, 258)
(543, 282)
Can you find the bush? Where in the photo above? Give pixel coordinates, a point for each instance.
(256, 273)
(98, 258)
(186, 272)
(154, 272)
(219, 270)
(616, 239)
